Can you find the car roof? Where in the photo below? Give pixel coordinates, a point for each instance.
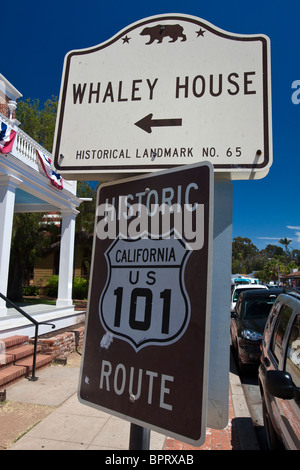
(293, 291)
(251, 286)
(262, 292)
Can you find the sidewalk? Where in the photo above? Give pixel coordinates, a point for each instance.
(73, 426)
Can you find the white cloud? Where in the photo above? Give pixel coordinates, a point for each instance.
(295, 238)
(298, 237)
(269, 238)
(297, 232)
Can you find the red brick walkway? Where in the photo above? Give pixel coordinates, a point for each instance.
(224, 439)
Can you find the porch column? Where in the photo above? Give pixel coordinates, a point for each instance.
(8, 186)
(66, 258)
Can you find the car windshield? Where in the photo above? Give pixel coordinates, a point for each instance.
(238, 291)
(258, 308)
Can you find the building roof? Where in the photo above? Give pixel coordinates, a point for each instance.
(292, 275)
(8, 89)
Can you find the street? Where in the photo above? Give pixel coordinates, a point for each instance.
(250, 386)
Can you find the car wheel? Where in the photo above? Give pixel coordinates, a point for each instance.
(241, 366)
(273, 441)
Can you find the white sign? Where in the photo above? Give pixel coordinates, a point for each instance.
(166, 91)
(137, 302)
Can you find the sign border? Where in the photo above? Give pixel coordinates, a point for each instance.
(115, 169)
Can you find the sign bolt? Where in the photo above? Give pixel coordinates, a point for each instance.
(132, 398)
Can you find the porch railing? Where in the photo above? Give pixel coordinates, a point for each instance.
(24, 149)
(36, 323)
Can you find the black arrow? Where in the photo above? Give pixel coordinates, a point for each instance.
(147, 123)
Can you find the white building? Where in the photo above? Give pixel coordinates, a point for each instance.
(25, 186)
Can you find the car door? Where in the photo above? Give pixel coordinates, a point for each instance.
(286, 351)
(290, 409)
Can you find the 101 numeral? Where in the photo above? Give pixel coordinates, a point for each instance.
(146, 294)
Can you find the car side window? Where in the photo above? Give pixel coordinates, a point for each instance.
(293, 352)
(238, 306)
(273, 314)
(279, 330)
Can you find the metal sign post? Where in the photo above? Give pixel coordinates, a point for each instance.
(139, 438)
(218, 385)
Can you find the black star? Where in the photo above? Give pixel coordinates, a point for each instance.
(200, 32)
(126, 39)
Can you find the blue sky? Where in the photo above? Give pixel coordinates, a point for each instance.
(37, 35)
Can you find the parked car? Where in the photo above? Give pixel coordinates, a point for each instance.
(279, 373)
(248, 322)
(240, 288)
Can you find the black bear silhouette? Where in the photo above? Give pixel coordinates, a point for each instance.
(159, 32)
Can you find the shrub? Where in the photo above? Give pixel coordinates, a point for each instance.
(51, 288)
(80, 288)
(30, 290)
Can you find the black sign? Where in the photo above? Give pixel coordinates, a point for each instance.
(145, 355)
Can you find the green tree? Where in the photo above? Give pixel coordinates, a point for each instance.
(38, 122)
(296, 257)
(270, 271)
(273, 250)
(243, 246)
(85, 220)
(242, 250)
(86, 217)
(255, 262)
(285, 242)
(30, 239)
